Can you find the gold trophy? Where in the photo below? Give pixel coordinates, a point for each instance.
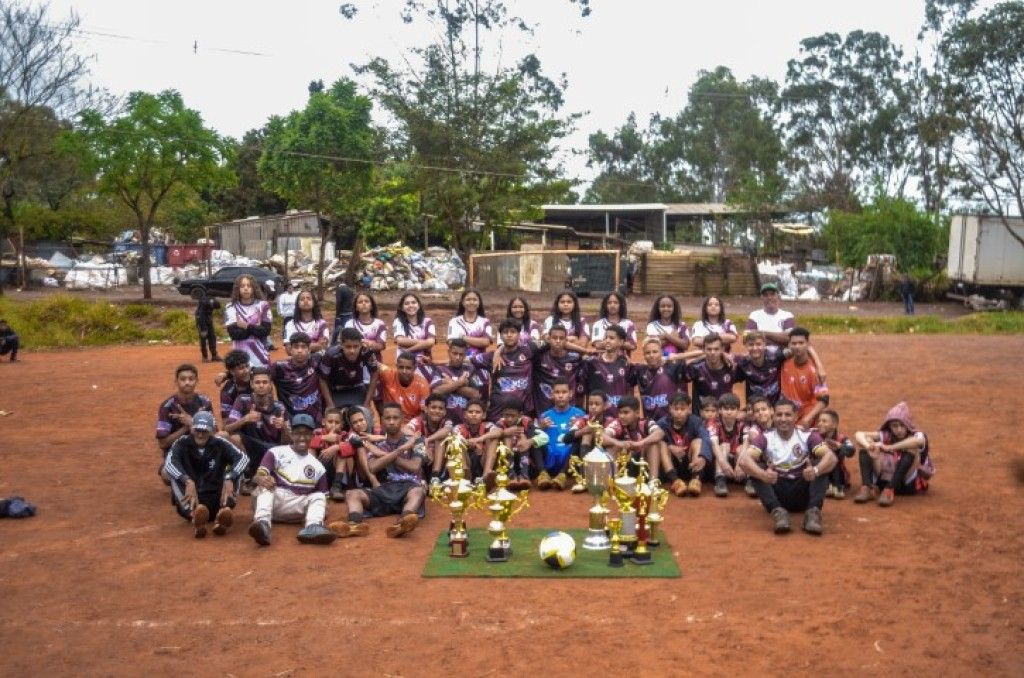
(659, 498)
(642, 503)
(615, 556)
(597, 472)
(623, 489)
(502, 505)
(455, 493)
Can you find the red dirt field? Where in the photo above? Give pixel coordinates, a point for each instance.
(107, 579)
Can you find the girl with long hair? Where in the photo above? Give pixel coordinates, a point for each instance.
(667, 326)
(309, 320)
(713, 321)
(414, 332)
(566, 312)
(614, 312)
(519, 310)
(471, 323)
(248, 318)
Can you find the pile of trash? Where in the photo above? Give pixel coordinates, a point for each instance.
(814, 283)
(397, 267)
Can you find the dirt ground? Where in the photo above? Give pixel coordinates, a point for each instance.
(107, 580)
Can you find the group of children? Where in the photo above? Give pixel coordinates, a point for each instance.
(332, 421)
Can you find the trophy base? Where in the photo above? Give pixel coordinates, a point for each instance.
(498, 554)
(641, 558)
(628, 548)
(458, 548)
(653, 543)
(615, 559)
(596, 540)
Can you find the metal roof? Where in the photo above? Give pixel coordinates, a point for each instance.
(600, 209)
(694, 209)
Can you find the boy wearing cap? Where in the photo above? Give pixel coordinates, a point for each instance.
(205, 471)
(292, 487)
(770, 319)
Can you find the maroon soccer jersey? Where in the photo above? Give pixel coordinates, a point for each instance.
(658, 386)
(640, 430)
(763, 379)
(343, 374)
(709, 382)
(229, 393)
(298, 388)
(263, 429)
(513, 381)
(614, 378)
(166, 425)
(455, 402)
(547, 370)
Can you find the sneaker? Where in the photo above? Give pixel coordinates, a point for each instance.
(544, 481)
(887, 497)
(200, 517)
(750, 489)
(781, 518)
(346, 529)
(840, 493)
(316, 534)
(248, 487)
(559, 482)
(865, 494)
(693, 488)
(338, 488)
(578, 488)
(812, 521)
(721, 487)
(223, 521)
(678, 487)
(830, 493)
(259, 530)
(405, 525)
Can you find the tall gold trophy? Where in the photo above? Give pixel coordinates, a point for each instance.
(502, 505)
(642, 504)
(597, 472)
(622, 489)
(659, 498)
(455, 493)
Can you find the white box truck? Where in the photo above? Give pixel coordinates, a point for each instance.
(984, 259)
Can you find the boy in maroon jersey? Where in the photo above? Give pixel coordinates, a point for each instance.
(174, 416)
(552, 362)
(481, 437)
(527, 443)
(257, 422)
(235, 382)
(659, 378)
(344, 370)
(629, 431)
(579, 434)
(433, 426)
(841, 446)
(686, 452)
(459, 381)
(730, 440)
(511, 370)
(610, 371)
(298, 381)
(712, 376)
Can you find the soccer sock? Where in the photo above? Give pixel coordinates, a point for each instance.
(671, 476)
(355, 517)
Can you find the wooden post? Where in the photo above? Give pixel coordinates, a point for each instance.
(618, 261)
(472, 270)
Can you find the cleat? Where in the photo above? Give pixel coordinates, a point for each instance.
(316, 534)
(781, 518)
(750, 489)
(544, 481)
(405, 525)
(259, 530)
(559, 482)
(887, 497)
(812, 521)
(678, 487)
(693, 488)
(840, 493)
(338, 489)
(200, 517)
(223, 521)
(344, 529)
(865, 494)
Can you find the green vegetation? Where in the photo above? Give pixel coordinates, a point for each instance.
(975, 323)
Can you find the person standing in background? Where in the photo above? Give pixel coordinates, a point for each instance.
(907, 293)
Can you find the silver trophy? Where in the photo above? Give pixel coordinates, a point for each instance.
(597, 470)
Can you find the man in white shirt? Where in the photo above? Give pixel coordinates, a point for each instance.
(773, 321)
(286, 307)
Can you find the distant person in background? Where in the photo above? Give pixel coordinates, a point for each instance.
(907, 294)
(205, 305)
(773, 321)
(8, 341)
(344, 309)
(286, 307)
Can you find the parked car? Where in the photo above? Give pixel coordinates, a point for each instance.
(220, 283)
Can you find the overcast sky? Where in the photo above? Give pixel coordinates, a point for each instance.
(636, 55)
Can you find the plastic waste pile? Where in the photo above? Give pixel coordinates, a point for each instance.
(816, 282)
(397, 267)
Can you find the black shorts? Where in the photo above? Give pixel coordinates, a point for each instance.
(345, 399)
(389, 498)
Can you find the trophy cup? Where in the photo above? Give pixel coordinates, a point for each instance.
(502, 505)
(455, 493)
(615, 556)
(597, 471)
(659, 498)
(623, 490)
(642, 502)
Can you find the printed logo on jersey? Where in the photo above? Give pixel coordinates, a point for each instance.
(303, 402)
(655, 402)
(308, 471)
(507, 384)
(456, 402)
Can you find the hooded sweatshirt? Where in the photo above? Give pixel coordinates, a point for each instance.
(901, 413)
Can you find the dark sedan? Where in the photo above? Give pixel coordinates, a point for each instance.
(221, 282)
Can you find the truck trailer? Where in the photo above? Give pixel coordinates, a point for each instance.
(984, 259)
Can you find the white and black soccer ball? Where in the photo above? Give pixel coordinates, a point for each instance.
(558, 550)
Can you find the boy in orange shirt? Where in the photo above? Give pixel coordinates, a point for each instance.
(405, 386)
(801, 383)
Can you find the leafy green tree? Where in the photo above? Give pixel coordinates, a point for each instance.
(481, 141)
(319, 158)
(157, 147)
(986, 57)
(848, 126)
(885, 226)
(247, 197)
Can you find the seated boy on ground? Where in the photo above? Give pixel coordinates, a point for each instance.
(893, 460)
(730, 440)
(256, 422)
(481, 437)
(433, 426)
(528, 444)
(630, 432)
(579, 434)
(686, 453)
(174, 417)
(401, 492)
(842, 447)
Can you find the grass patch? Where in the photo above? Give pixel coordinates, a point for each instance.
(1010, 322)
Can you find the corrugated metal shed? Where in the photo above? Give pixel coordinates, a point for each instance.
(253, 236)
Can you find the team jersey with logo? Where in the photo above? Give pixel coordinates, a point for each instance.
(692, 429)
(342, 374)
(376, 331)
(780, 321)
(658, 385)
(513, 381)
(513, 439)
(467, 431)
(229, 393)
(456, 402)
(574, 332)
(640, 430)
(558, 451)
(658, 330)
(529, 333)
(394, 474)
(548, 369)
(298, 473)
(800, 384)
(165, 425)
(421, 332)
(263, 429)
(254, 314)
(733, 438)
(614, 378)
(787, 456)
(702, 329)
(600, 329)
(925, 468)
(316, 329)
(478, 329)
(298, 387)
(410, 398)
(708, 381)
(763, 379)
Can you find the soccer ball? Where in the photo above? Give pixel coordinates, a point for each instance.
(558, 550)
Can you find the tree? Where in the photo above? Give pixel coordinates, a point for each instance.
(885, 226)
(41, 78)
(247, 197)
(848, 127)
(156, 148)
(986, 56)
(482, 142)
(320, 157)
